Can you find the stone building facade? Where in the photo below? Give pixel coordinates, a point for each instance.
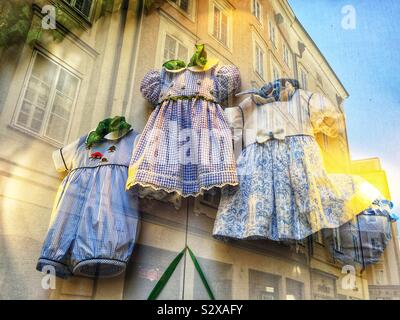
(52, 93)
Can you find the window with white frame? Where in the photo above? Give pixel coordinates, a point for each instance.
(257, 9)
(272, 33)
(48, 99)
(174, 49)
(357, 254)
(184, 5)
(303, 79)
(337, 241)
(221, 19)
(276, 74)
(286, 54)
(82, 6)
(259, 60)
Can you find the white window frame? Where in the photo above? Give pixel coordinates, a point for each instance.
(303, 78)
(174, 30)
(287, 55)
(357, 251)
(337, 241)
(42, 134)
(178, 43)
(275, 67)
(226, 9)
(258, 43)
(258, 15)
(272, 33)
(71, 4)
(191, 13)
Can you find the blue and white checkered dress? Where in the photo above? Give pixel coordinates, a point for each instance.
(95, 221)
(186, 146)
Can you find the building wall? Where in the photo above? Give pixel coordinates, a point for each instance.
(383, 277)
(110, 57)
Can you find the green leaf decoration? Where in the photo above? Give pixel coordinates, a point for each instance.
(166, 276)
(119, 124)
(174, 64)
(199, 58)
(15, 21)
(105, 127)
(170, 270)
(16, 18)
(201, 274)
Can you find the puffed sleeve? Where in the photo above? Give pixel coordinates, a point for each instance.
(323, 115)
(63, 157)
(227, 82)
(150, 86)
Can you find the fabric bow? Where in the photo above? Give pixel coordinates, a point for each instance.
(116, 124)
(264, 135)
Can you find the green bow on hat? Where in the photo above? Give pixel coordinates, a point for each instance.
(198, 59)
(109, 125)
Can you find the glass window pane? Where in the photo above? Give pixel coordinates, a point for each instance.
(216, 22)
(24, 114)
(83, 6)
(219, 277)
(44, 69)
(37, 120)
(224, 29)
(62, 106)
(37, 93)
(184, 5)
(294, 290)
(169, 48)
(263, 286)
(67, 84)
(57, 128)
(182, 52)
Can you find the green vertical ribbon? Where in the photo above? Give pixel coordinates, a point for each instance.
(201, 274)
(170, 270)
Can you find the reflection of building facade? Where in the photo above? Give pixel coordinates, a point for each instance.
(54, 93)
(383, 277)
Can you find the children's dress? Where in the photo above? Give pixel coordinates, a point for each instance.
(284, 191)
(186, 146)
(95, 220)
(362, 240)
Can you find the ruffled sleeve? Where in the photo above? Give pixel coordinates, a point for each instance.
(63, 158)
(323, 115)
(227, 82)
(151, 86)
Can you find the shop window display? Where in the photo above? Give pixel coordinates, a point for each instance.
(231, 144)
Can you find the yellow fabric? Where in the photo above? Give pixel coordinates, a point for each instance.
(323, 115)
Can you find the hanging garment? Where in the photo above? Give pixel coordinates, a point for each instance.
(95, 220)
(284, 191)
(186, 146)
(364, 239)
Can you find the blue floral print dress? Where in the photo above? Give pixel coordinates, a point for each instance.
(284, 191)
(186, 146)
(95, 220)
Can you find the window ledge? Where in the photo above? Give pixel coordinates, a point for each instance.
(189, 15)
(34, 135)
